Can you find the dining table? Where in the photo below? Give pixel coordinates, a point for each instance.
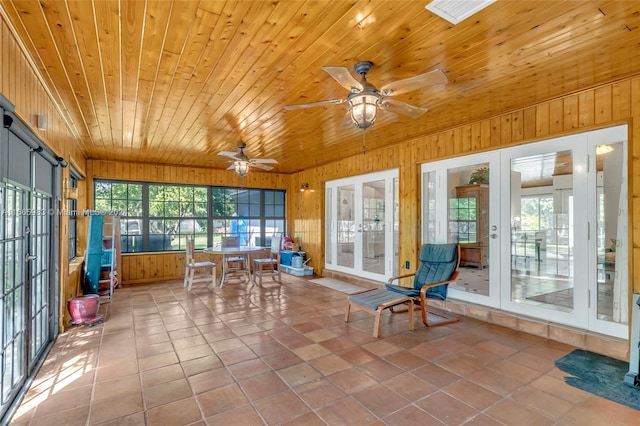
(244, 251)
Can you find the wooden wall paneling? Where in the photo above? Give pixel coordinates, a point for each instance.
(517, 126)
(556, 116)
(542, 120)
(476, 136)
(586, 108)
(506, 129)
(571, 112)
(529, 123)
(495, 132)
(602, 105)
(621, 100)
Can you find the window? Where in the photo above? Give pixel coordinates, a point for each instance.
(159, 217)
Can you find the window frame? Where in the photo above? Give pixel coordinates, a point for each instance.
(264, 210)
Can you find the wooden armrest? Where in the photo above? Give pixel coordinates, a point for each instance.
(424, 288)
(392, 279)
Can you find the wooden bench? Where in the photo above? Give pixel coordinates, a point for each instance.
(376, 301)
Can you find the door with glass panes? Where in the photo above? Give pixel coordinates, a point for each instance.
(543, 228)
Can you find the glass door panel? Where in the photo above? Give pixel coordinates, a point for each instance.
(542, 230)
(373, 226)
(346, 226)
(468, 225)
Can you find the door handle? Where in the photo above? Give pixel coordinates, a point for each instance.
(28, 257)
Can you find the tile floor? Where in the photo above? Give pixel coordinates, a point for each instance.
(283, 355)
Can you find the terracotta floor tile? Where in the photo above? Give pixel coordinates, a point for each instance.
(329, 364)
(154, 349)
(311, 351)
(235, 356)
(257, 387)
(63, 401)
(472, 394)
(194, 352)
(405, 360)
(114, 408)
(511, 412)
(380, 400)
(282, 359)
(162, 375)
(249, 368)
(209, 379)
(447, 409)
(298, 374)
(436, 375)
(411, 415)
(381, 370)
(221, 399)
(345, 411)
(244, 415)
(410, 387)
(352, 380)
(358, 356)
(181, 412)
(281, 407)
(157, 361)
(166, 392)
(117, 387)
(199, 365)
(496, 382)
(308, 419)
(318, 393)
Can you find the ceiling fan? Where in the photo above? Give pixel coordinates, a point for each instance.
(364, 98)
(241, 163)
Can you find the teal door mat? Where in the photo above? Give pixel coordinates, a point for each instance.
(599, 375)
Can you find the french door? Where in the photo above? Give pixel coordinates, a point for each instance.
(361, 225)
(28, 230)
(543, 228)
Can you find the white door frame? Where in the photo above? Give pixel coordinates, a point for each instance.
(332, 205)
(582, 145)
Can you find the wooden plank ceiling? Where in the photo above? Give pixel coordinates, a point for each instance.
(175, 82)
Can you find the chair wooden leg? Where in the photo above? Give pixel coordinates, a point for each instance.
(346, 315)
(412, 324)
(186, 275)
(376, 324)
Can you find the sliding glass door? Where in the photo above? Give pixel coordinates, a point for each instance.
(360, 223)
(543, 228)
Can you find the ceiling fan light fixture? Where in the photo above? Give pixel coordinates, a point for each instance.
(364, 108)
(603, 149)
(241, 167)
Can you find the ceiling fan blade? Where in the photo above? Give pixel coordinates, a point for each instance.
(403, 108)
(231, 167)
(314, 104)
(345, 78)
(413, 83)
(261, 166)
(228, 154)
(264, 160)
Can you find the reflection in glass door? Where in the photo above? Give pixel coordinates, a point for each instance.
(346, 226)
(542, 230)
(461, 206)
(372, 228)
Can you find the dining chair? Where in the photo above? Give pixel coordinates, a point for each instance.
(269, 265)
(197, 271)
(233, 263)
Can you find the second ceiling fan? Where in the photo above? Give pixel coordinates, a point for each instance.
(364, 98)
